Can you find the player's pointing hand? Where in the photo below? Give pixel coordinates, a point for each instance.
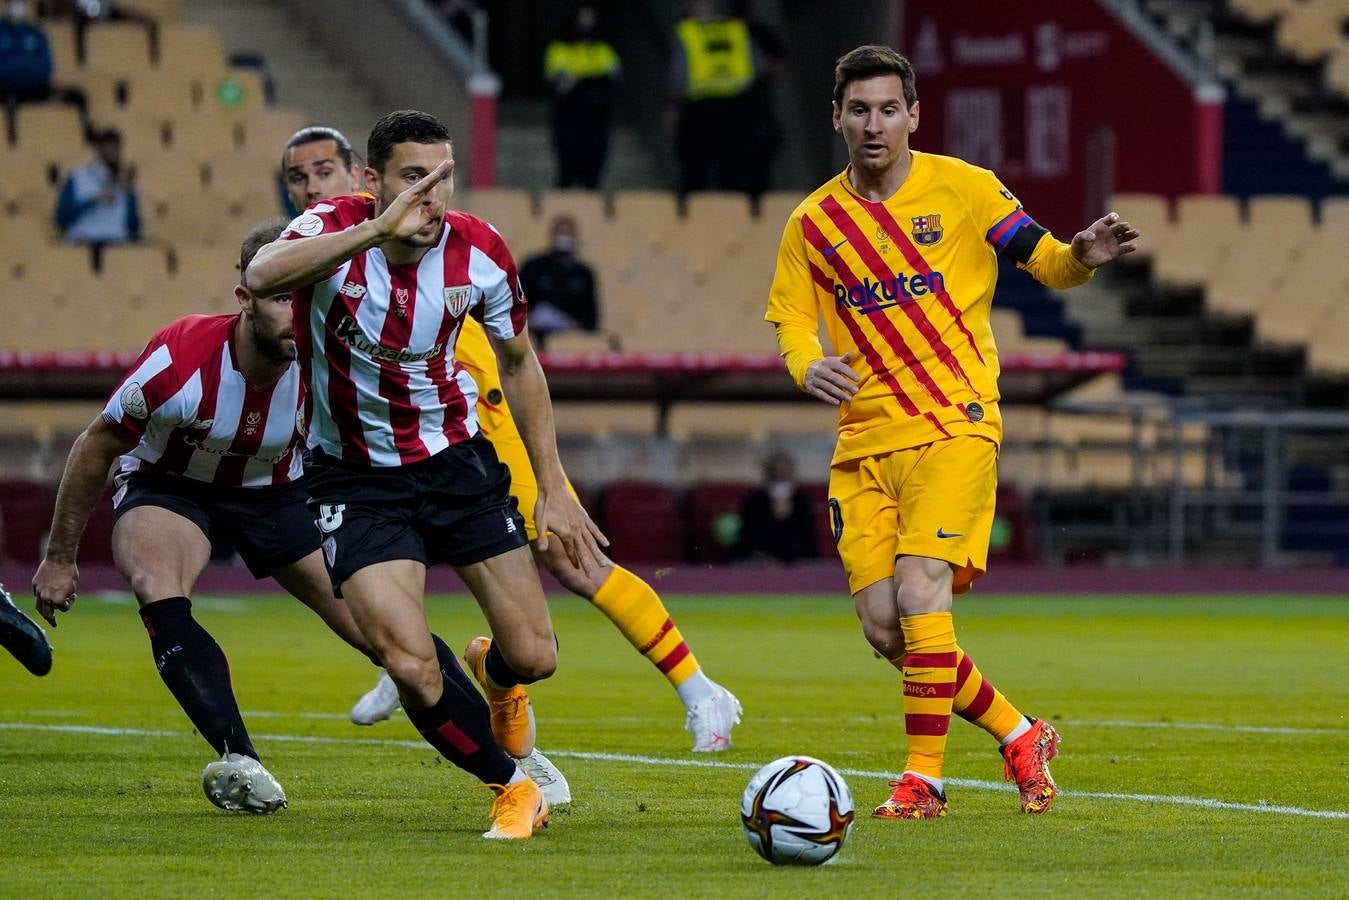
(1105, 239)
(832, 380)
(413, 209)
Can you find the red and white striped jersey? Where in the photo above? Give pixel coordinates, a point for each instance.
(187, 403)
(376, 340)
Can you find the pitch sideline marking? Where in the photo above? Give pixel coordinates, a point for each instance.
(977, 784)
(788, 720)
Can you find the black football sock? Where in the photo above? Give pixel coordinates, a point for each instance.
(459, 724)
(197, 674)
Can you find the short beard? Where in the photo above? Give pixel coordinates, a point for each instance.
(271, 348)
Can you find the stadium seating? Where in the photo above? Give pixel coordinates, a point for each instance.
(642, 520)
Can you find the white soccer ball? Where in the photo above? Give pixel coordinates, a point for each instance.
(796, 811)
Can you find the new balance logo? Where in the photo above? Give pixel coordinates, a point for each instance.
(353, 290)
(510, 524)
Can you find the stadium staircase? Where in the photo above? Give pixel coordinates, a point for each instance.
(306, 74)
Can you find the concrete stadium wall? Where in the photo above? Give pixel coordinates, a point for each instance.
(398, 61)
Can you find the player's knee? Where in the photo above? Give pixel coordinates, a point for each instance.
(885, 638)
(918, 594)
(534, 662)
(414, 675)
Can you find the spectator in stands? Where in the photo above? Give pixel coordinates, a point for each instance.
(560, 286)
(712, 71)
(26, 65)
(98, 201)
(583, 73)
(775, 517)
(85, 13)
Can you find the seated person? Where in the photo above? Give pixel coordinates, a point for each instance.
(775, 518)
(26, 64)
(559, 286)
(98, 201)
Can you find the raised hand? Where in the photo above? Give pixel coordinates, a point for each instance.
(412, 210)
(832, 380)
(1105, 239)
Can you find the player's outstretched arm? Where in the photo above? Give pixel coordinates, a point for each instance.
(288, 264)
(526, 390)
(1104, 240)
(86, 472)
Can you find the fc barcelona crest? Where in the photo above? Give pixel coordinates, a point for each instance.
(927, 229)
(456, 299)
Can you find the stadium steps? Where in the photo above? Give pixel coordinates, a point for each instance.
(525, 151)
(307, 75)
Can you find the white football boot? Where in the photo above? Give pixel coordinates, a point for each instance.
(378, 703)
(552, 783)
(238, 782)
(711, 721)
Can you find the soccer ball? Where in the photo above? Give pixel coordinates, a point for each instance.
(796, 811)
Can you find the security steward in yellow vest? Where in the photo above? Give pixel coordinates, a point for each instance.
(712, 69)
(583, 73)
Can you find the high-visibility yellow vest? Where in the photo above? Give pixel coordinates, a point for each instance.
(579, 59)
(718, 58)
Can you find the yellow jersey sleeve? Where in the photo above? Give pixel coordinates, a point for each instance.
(1013, 233)
(792, 305)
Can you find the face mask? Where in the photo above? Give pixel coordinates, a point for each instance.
(564, 243)
(781, 491)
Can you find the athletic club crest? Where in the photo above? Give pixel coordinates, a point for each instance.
(456, 299)
(400, 297)
(252, 421)
(927, 229)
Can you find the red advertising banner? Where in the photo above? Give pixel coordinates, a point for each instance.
(1062, 100)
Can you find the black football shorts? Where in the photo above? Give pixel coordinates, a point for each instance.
(270, 527)
(453, 508)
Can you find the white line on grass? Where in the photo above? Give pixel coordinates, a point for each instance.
(798, 720)
(1173, 800)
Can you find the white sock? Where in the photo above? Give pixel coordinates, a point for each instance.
(935, 782)
(1021, 728)
(697, 688)
(518, 777)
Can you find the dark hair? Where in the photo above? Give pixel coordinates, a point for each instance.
(315, 133)
(259, 236)
(871, 61)
(402, 127)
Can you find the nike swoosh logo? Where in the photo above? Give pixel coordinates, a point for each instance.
(829, 251)
(908, 674)
(945, 534)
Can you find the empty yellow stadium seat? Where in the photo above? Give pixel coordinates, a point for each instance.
(116, 49)
(1151, 215)
(188, 49)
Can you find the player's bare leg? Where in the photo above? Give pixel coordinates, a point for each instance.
(386, 602)
(522, 648)
(161, 554)
(637, 612)
(307, 581)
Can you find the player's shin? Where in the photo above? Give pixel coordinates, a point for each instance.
(637, 611)
(978, 702)
(457, 724)
(929, 687)
(196, 672)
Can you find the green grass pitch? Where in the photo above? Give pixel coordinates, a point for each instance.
(1183, 700)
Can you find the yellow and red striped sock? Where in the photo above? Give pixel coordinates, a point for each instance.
(637, 610)
(978, 702)
(929, 687)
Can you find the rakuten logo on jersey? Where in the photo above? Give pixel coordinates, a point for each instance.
(870, 296)
(349, 332)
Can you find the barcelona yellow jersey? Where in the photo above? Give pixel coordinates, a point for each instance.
(475, 352)
(907, 284)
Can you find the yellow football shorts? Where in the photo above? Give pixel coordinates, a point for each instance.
(935, 501)
(510, 450)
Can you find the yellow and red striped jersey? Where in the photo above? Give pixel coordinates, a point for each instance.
(908, 283)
